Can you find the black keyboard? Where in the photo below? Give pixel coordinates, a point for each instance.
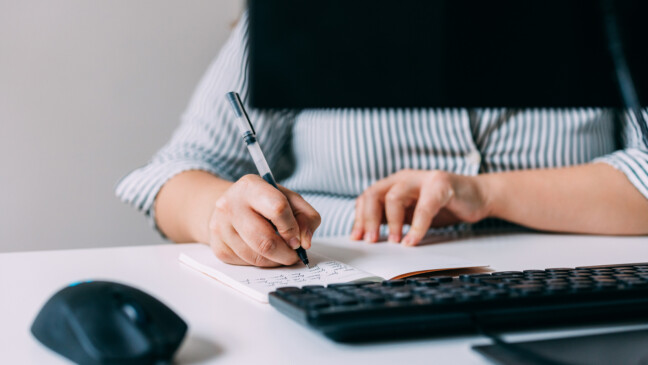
(437, 306)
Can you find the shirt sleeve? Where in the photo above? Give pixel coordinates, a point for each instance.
(208, 138)
(632, 159)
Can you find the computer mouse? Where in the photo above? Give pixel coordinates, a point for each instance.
(101, 322)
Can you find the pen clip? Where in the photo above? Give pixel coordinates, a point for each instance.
(239, 110)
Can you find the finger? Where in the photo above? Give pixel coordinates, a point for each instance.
(373, 209)
(357, 232)
(431, 200)
(397, 199)
(307, 217)
(358, 224)
(217, 228)
(274, 206)
(260, 236)
(372, 215)
(225, 254)
(245, 252)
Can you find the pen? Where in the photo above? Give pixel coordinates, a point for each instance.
(249, 137)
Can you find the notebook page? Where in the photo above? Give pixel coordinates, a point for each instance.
(257, 282)
(388, 260)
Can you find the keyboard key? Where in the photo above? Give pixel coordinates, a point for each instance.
(558, 274)
(604, 281)
(414, 280)
(372, 298)
(578, 274)
(287, 291)
(635, 283)
(490, 281)
(419, 289)
(527, 287)
(496, 293)
(363, 283)
(532, 282)
(304, 298)
(393, 282)
(623, 268)
(583, 269)
(606, 284)
(602, 277)
(469, 296)
(442, 279)
(473, 277)
(346, 301)
(315, 304)
(402, 296)
(340, 285)
(558, 288)
(444, 298)
(537, 276)
(429, 293)
(556, 281)
(624, 276)
(507, 273)
(558, 269)
(427, 283)
(582, 287)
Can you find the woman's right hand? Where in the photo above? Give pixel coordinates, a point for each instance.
(240, 232)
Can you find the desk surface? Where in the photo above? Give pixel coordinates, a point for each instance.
(227, 327)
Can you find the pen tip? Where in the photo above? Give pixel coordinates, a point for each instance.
(308, 265)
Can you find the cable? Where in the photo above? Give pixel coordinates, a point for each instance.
(529, 356)
(622, 71)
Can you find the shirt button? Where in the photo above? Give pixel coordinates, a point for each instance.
(474, 158)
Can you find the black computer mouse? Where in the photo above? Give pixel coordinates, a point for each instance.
(99, 322)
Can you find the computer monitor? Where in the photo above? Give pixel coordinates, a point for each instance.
(440, 53)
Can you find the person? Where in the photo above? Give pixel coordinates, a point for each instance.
(347, 171)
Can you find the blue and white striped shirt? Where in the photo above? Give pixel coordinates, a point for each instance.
(330, 156)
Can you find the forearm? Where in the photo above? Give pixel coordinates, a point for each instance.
(185, 203)
(592, 198)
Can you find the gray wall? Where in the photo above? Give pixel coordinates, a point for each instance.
(88, 91)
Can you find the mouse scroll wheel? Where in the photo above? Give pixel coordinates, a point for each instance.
(134, 312)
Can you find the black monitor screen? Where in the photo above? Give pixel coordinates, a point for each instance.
(439, 53)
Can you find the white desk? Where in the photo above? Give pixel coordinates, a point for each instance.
(226, 327)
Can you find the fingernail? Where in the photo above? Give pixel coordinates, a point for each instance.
(408, 241)
(393, 238)
(356, 234)
(294, 243)
(371, 237)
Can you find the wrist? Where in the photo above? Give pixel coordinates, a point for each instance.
(185, 203)
(491, 187)
(205, 205)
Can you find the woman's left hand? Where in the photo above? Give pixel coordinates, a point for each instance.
(424, 199)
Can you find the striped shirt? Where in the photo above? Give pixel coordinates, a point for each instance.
(330, 156)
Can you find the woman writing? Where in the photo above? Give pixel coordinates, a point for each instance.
(347, 171)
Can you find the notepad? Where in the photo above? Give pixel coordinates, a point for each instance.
(333, 260)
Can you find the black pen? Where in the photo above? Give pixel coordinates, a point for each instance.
(249, 137)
